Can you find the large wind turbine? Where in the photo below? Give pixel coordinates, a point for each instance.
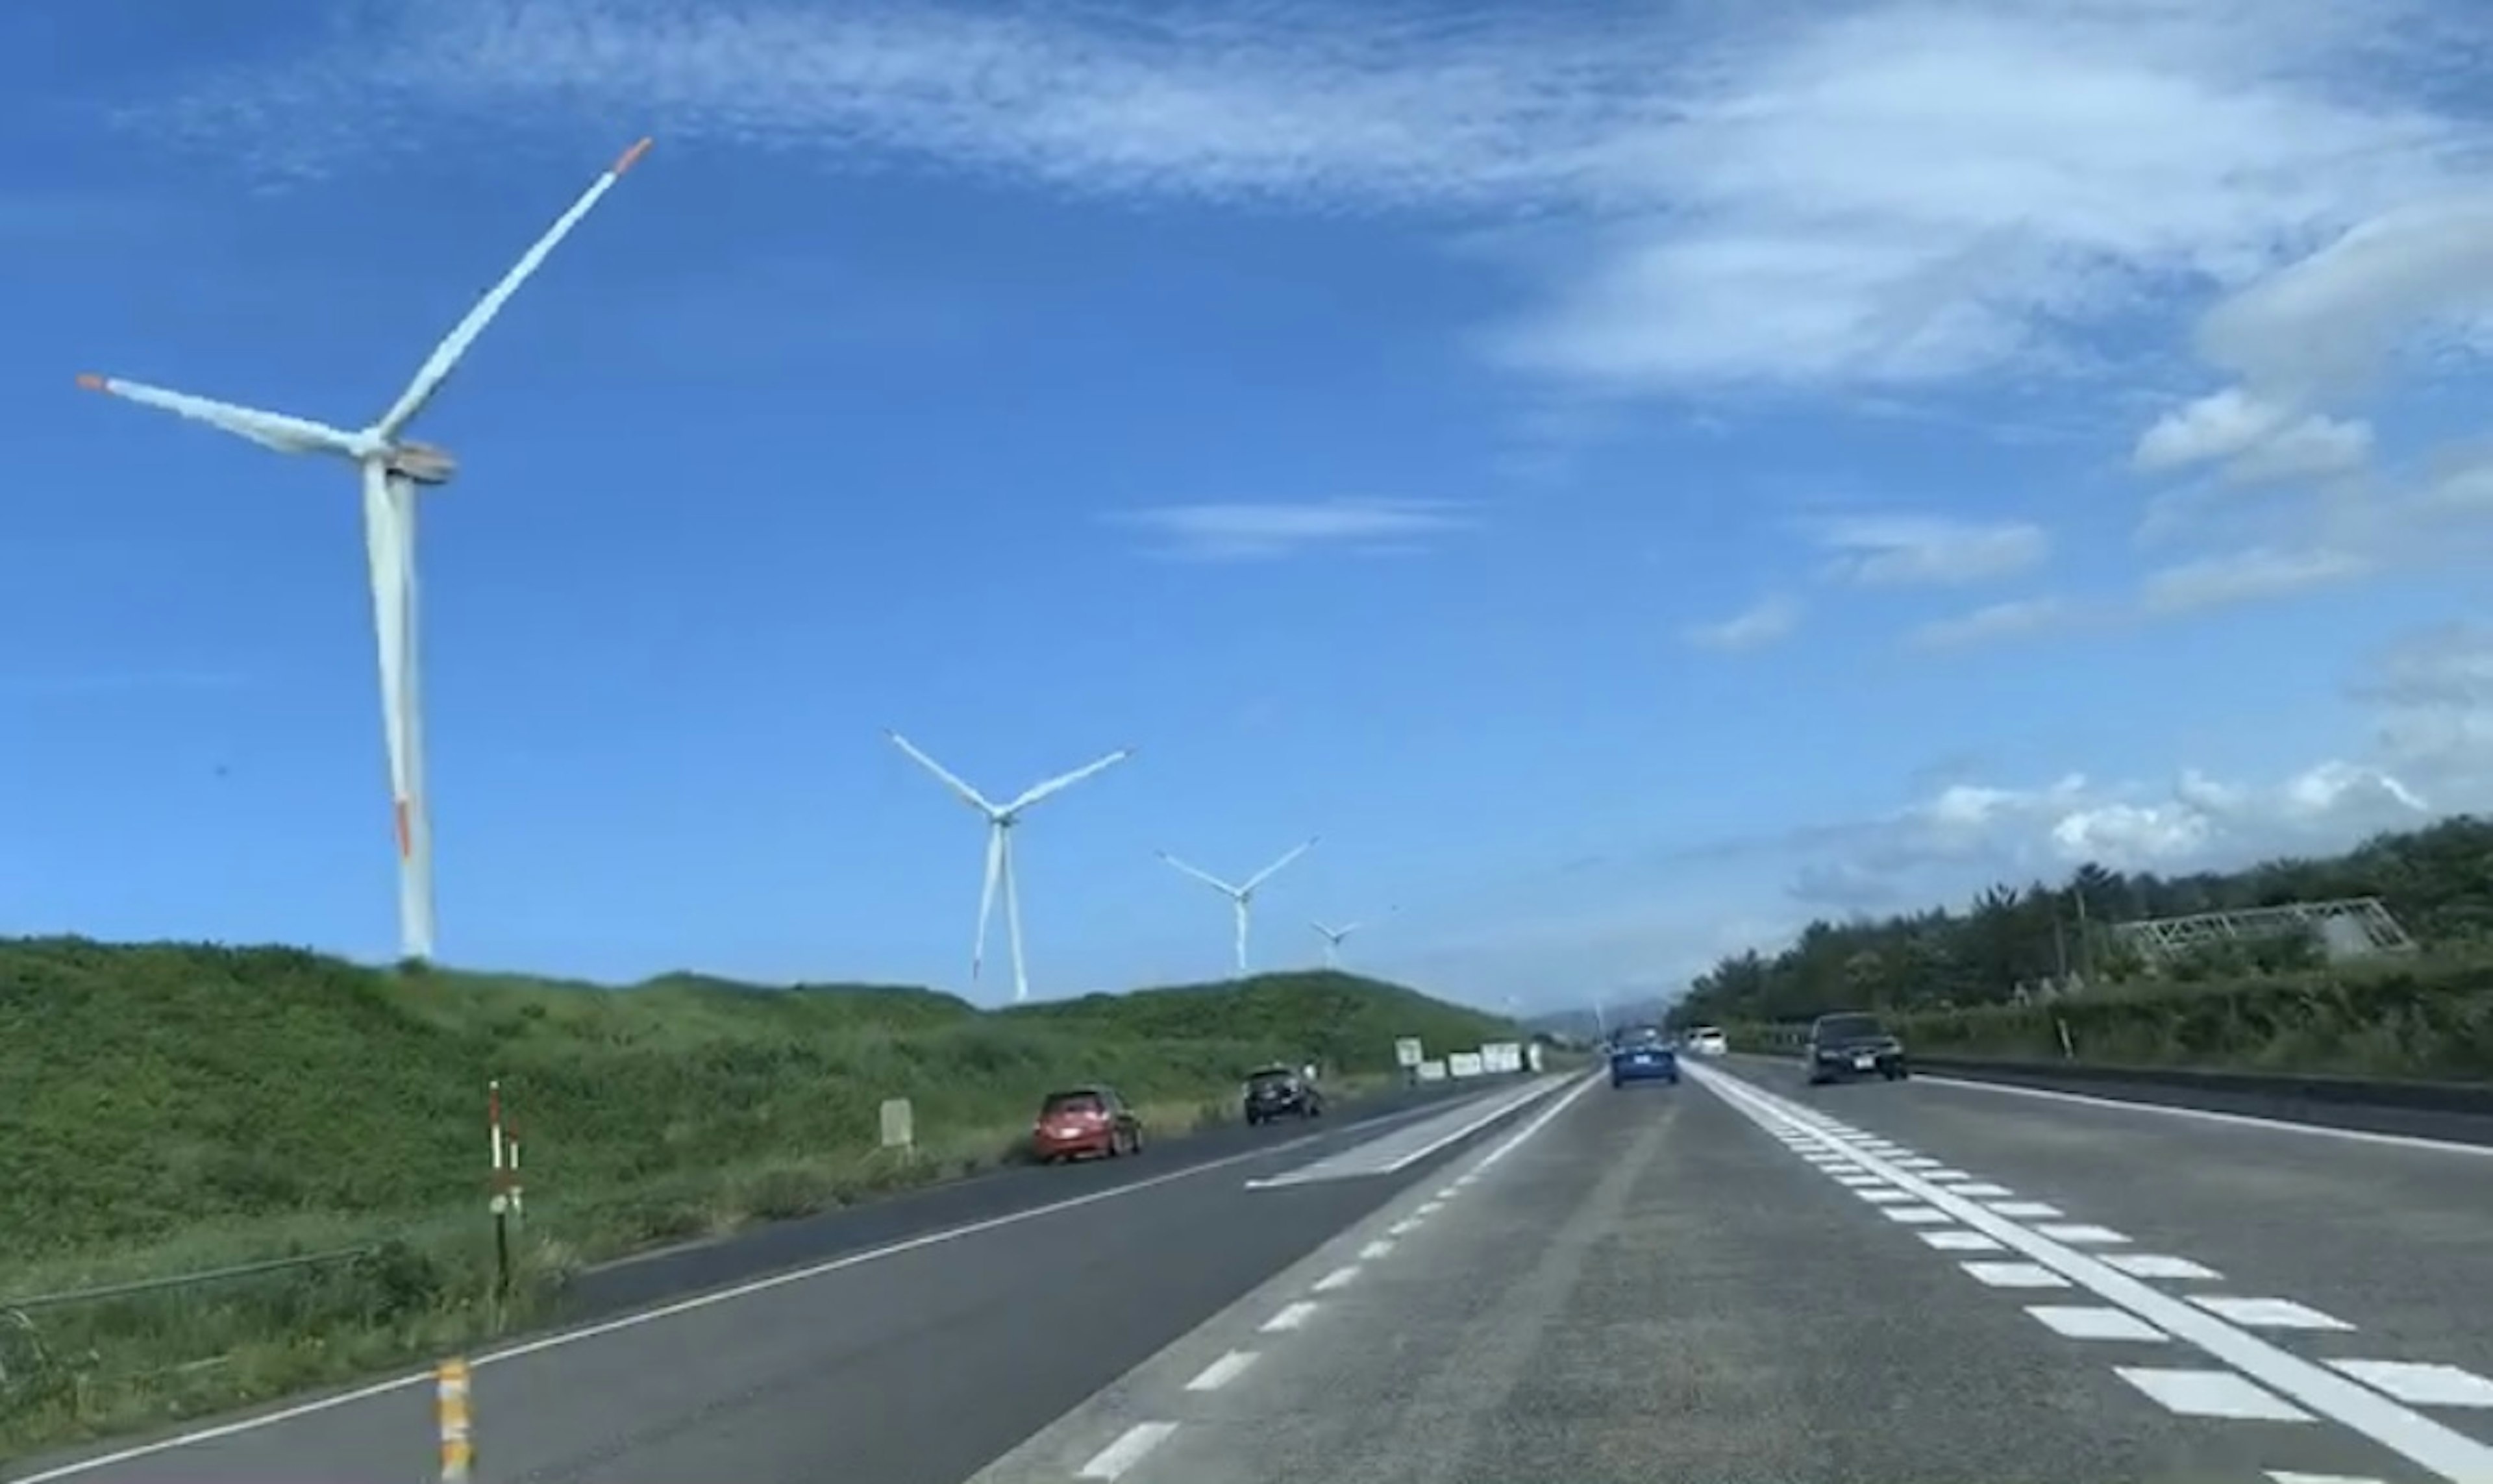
(1001, 819)
(1242, 898)
(1333, 937)
(393, 466)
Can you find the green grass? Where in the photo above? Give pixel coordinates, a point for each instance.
(174, 1107)
(2426, 1018)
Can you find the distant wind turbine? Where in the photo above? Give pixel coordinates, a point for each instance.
(1333, 937)
(1241, 897)
(1001, 819)
(393, 468)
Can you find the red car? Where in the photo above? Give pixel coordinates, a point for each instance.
(1085, 1120)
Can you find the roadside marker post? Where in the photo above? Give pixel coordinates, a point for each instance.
(450, 1414)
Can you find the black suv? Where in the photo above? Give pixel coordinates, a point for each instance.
(1850, 1045)
(1276, 1090)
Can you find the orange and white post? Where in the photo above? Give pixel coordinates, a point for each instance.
(450, 1413)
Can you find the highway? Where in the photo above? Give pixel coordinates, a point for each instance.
(1737, 1278)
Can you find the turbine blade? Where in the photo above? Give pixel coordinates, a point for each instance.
(987, 895)
(269, 430)
(1266, 874)
(1320, 926)
(1205, 876)
(1013, 917)
(1062, 781)
(1347, 929)
(445, 356)
(969, 795)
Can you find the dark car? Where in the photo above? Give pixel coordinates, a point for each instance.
(1643, 1054)
(1852, 1043)
(1276, 1091)
(1085, 1120)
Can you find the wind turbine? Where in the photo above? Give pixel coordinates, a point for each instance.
(1241, 897)
(1333, 937)
(392, 466)
(1001, 819)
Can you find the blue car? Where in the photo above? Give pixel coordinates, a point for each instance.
(1643, 1056)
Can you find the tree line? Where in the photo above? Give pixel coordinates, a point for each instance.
(2014, 942)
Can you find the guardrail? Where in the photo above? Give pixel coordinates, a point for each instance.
(2460, 1099)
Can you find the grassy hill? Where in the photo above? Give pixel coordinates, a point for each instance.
(172, 1108)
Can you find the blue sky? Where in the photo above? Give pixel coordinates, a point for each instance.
(1629, 484)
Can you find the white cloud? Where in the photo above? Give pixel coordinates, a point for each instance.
(1899, 550)
(1789, 194)
(2247, 575)
(1998, 620)
(1773, 618)
(2260, 441)
(1253, 532)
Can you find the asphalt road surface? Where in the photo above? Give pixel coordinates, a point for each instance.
(1737, 1278)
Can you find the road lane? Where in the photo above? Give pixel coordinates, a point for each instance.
(1721, 1281)
(908, 1366)
(2394, 1239)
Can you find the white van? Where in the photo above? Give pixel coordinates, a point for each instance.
(1706, 1041)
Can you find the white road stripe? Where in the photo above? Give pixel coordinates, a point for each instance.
(1112, 1461)
(1374, 1250)
(2156, 1265)
(2095, 1322)
(1404, 1226)
(2211, 1394)
(2080, 1233)
(1958, 1239)
(2404, 1431)
(1984, 1190)
(2238, 1120)
(2028, 1210)
(2287, 1476)
(2269, 1313)
(1915, 1215)
(2419, 1384)
(2015, 1275)
(1221, 1372)
(1338, 1278)
(1291, 1316)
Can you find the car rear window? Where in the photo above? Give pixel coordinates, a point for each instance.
(1059, 1103)
(1849, 1028)
(1266, 1079)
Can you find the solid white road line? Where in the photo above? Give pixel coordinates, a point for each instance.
(2419, 1384)
(2238, 1120)
(1221, 1372)
(711, 1299)
(1128, 1450)
(2443, 1450)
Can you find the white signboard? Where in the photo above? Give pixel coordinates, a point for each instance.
(1406, 1052)
(1532, 1055)
(1463, 1064)
(1431, 1071)
(1501, 1057)
(899, 1123)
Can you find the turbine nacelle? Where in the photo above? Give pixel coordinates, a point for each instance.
(425, 464)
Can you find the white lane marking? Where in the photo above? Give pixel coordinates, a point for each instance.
(698, 1301)
(1446, 1193)
(1345, 1165)
(1915, 1215)
(2269, 1313)
(2156, 1265)
(1374, 1250)
(2015, 1275)
(2238, 1120)
(1944, 1176)
(1921, 1162)
(1882, 1195)
(1530, 1097)
(2288, 1476)
(1429, 1208)
(2211, 1394)
(1338, 1278)
(1466, 1178)
(1858, 1181)
(1221, 1372)
(1112, 1461)
(1403, 1228)
(1984, 1190)
(2443, 1450)
(1540, 1120)
(2095, 1322)
(2421, 1384)
(1960, 1240)
(1290, 1316)
(2080, 1234)
(2028, 1210)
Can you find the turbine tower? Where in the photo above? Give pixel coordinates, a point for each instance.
(393, 466)
(1333, 937)
(1001, 819)
(1242, 898)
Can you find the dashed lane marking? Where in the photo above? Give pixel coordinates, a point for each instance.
(1290, 1316)
(1221, 1372)
(2194, 1393)
(2095, 1322)
(1338, 1278)
(1129, 1449)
